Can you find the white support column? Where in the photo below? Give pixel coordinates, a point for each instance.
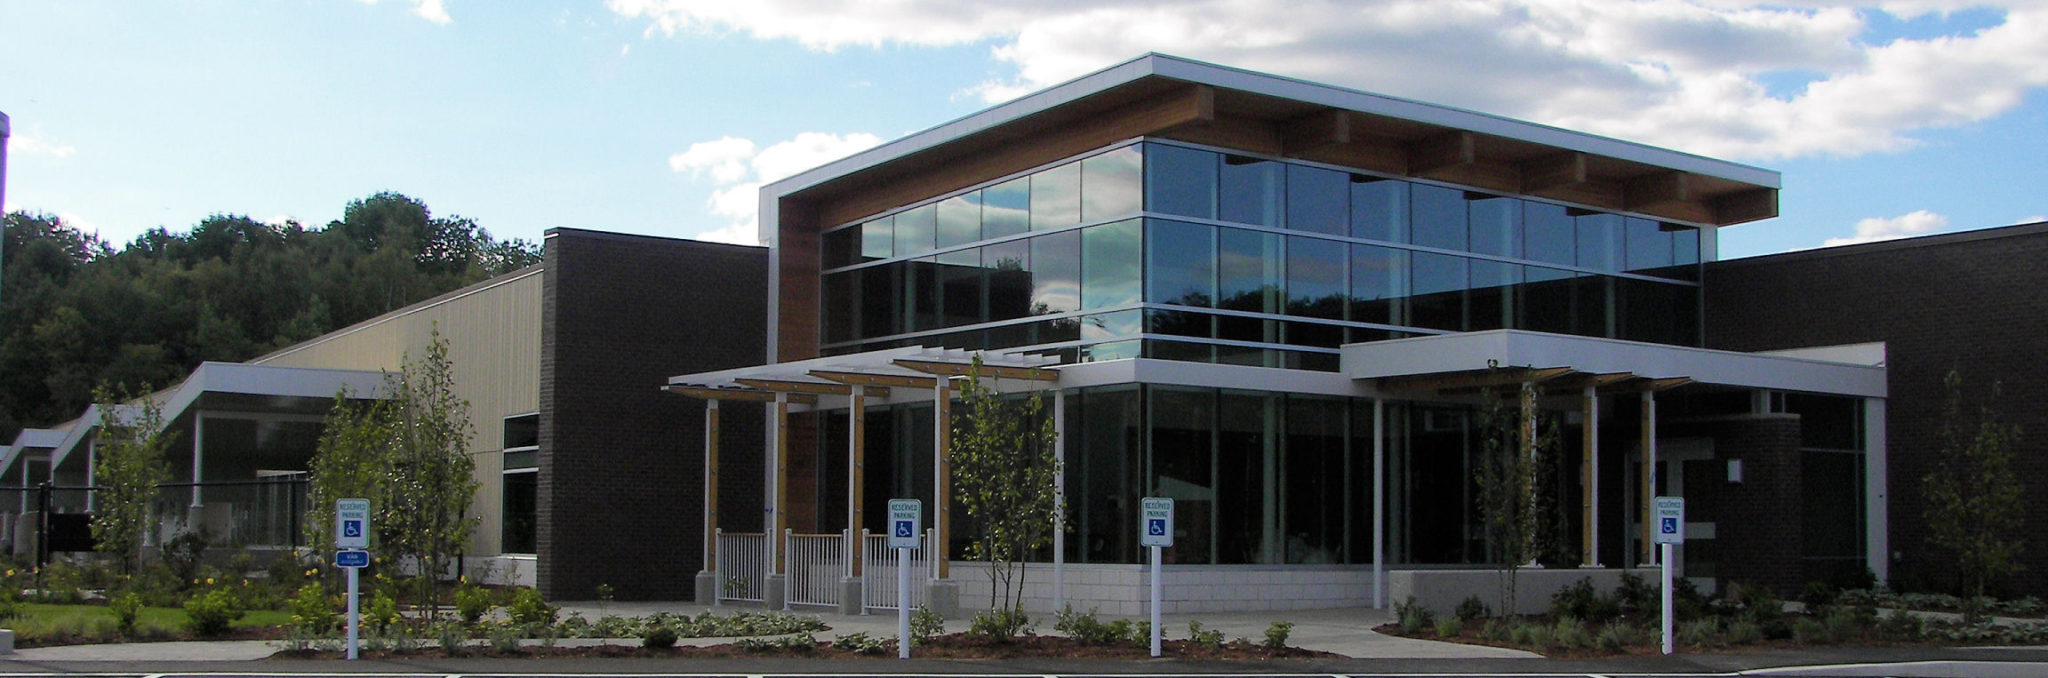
(1059, 493)
(856, 475)
(1379, 503)
(942, 444)
(198, 454)
(1590, 480)
(92, 463)
(1876, 514)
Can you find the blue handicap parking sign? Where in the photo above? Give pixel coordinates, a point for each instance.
(1155, 527)
(351, 528)
(1670, 526)
(903, 528)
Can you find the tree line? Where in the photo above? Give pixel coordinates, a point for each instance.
(77, 314)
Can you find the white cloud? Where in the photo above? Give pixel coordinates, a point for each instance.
(1874, 229)
(431, 10)
(738, 168)
(73, 220)
(36, 146)
(2032, 220)
(1688, 74)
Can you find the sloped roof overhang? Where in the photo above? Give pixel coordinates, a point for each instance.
(1471, 361)
(909, 370)
(285, 389)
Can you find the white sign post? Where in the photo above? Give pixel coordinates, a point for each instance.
(1155, 529)
(1670, 530)
(352, 534)
(906, 521)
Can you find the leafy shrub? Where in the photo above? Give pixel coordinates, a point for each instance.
(126, 608)
(1208, 638)
(313, 611)
(472, 603)
(452, 638)
(1089, 630)
(658, 637)
(1806, 631)
(801, 643)
(614, 626)
(1541, 638)
(1496, 630)
(1472, 608)
(1744, 632)
(211, 613)
(1449, 627)
(182, 554)
(381, 613)
(1903, 625)
(1637, 597)
(1276, 634)
(1571, 634)
(1817, 595)
(1615, 638)
(1845, 623)
(862, 643)
(529, 608)
(1700, 633)
(1413, 617)
(1580, 601)
(504, 638)
(999, 625)
(924, 623)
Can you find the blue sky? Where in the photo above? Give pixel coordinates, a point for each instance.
(660, 116)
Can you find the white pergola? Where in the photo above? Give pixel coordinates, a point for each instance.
(850, 381)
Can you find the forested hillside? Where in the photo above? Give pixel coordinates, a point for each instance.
(76, 312)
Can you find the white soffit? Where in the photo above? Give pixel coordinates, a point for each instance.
(1516, 348)
(237, 378)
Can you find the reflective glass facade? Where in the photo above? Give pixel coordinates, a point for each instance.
(1184, 253)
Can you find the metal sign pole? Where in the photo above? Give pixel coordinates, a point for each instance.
(1666, 567)
(1155, 601)
(902, 603)
(354, 618)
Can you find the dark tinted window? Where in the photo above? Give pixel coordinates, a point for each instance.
(1438, 216)
(1180, 181)
(1318, 200)
(1180, 263)
(1251, 191)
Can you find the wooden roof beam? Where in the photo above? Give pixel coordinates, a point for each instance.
(1641, 384)
(1582, 380)
(1562, 170)
(1442, 152)
(1314, 131)
(1656, 189)
(804, 387)
(876, 380)
(746, 395)
(987, 370)
(1745, 206)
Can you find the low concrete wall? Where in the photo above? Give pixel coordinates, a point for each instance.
(1441, 590)
(1123, 589)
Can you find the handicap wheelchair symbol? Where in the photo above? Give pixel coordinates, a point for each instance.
(1155, 527)
(351, 528)
(1670, 526)
(903, 528)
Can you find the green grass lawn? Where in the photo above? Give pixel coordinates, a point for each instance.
(44, 624)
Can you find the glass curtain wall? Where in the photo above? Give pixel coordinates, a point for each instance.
(1184, 253)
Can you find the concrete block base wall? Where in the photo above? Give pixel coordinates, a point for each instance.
(1441, 590)
(1123, 589)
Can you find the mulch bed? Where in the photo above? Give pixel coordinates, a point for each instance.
(1471, 636)
(237, 633)
(952, 646)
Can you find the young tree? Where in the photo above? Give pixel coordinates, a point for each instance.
(128, 464)
(408, 453)
(1003, 473)
(1973, 497)
(1514, 448)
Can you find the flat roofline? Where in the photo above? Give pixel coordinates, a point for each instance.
(1468, 351)
(1197, 72)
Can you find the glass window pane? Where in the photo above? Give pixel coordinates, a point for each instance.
(1315, 278)
(1685, 245)
(842, 305)
(1009, 279)
(1056, 273)
(916, 229)
(1438, 281)
(1318, 200)
(1180, 350)
(1649, 245)
(1183, 467)
(1110, 326)
(1314, 489)
(1313, 334)
(841, 247)
(1179, 323)
(1247, 461)
(1006, 208)
(1439, 216)
(1109, 184)
(1104, 482)
(1248, 271)
(1180, 181)
(1655, 312)
(522, 431)
(1379, 209)
(1496, 225)
(1110, 265)
(1251, 191)
(1599, 241)
(1056, 197)
(960, 219)
(1379, 284)
(1594, 312)
(1492, 295)
(1548, 233)
(921, 295)
(1547, 296)
(1180, 263)
(519, 530)
(876, 241)
(962, 287)
(878, 309)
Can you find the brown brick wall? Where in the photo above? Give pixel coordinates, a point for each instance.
(1757, 536)
(1975, 302)
(621, 462)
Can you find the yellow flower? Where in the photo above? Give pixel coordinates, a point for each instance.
(309, 572)
(10, 573)
(209, 581)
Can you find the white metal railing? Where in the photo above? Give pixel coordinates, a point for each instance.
(878, 571)
(816, 562)
(742, 567)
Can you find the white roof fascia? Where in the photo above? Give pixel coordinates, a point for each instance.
(1206, 375)
(1276, 86)
(881, 362)
(239, 378)
(1518, 348)
(38, 437)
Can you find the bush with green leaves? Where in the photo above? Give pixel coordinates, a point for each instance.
(1569, 633)
(1276, 635)
(1209, 638)
(1472, 608)
(1617, 636)
(800, 643)
(381, 612)
(1413, 617)
(211, 613)
(999, 625)
(529, 608)
(472, 602)
(924, 624)
(1449, 627)
(862, 643)
(1637, 597)
(1090, 630)
(1745, 632)
(452, 637)
(126, 608)
(313, 610)
(1700, 633)
(658, 637)
(504, 638)
(1496, 630)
